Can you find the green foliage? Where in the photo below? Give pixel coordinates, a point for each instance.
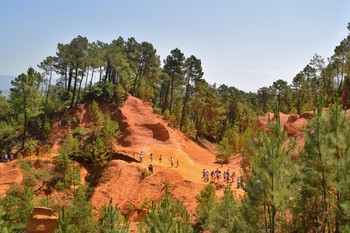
(17, 206)
(104, 126)
(26, 100)
(218, 215)
(3, 227)
(65, 224)
(111, 221)
(69, 148)
(226, 149)
(269, 177)
(42, 172)
(324, 164)
(146, 92)
(318, 198)
(189, 128)
(104, 90)
(206, 203)
(8, 136)
(77, 217)
(226, 217)
(168, 216)
(233, 142)
(99, 156)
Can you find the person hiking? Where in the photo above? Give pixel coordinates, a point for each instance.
(203, 173)
(233, 176)
(141, 156)
(177, 163)
(150, 168)
(212, 175)
(227, 175)
(239, 182)
(160, 158)
(151, 157)
(171, 161)
(206, 176)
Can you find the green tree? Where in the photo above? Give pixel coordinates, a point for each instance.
(25, 98)
(77, 217)
(193, 73)
(264, 98)
(3, 226)
(227, 215)
(323, 200)
(233, 142)
(281, 91)
(173, 66)
(7, 126)
(48, 67)
(65, 224)
(299, 89)
(206, 108)
(206, 200)
(111, 221)
(167, 216)
(269, 177)
(17, 205)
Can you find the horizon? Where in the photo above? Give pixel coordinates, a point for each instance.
(247, 45)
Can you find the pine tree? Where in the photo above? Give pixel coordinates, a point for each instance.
(269, 178)
(25, 99)
(111, 221)
(206, 203)
(167, 216)
(17, 206)
(324, 194)
(227, 215)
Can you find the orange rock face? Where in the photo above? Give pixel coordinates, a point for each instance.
(10, 174)
(42, 220)
(293, 124)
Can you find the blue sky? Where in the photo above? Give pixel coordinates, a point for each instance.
(244, 43)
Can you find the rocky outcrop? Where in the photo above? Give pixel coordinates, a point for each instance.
(42, 220)
(139, 124)
(10, 174)
(132, 188)
(293, 124)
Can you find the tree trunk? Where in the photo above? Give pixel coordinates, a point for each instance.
(107, 72)
(138, 75)
(70, 75)
(199, 127)
(165, 104)
(184, 107)
(81, 80)
(74, 88)
(92, 76)
(48, 87)
(86, 80)
(171, 94)
(100, 73)
(25, 120)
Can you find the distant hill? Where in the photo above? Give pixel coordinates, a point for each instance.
(5, 83)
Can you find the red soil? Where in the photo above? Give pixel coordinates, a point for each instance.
(10, 174)
(130, 185)
(145, 131)
(293, 124)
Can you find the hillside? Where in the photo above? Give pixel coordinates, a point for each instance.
(125, 179)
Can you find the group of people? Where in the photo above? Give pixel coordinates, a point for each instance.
(150, 166)
(6, 157)
(215, 176)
